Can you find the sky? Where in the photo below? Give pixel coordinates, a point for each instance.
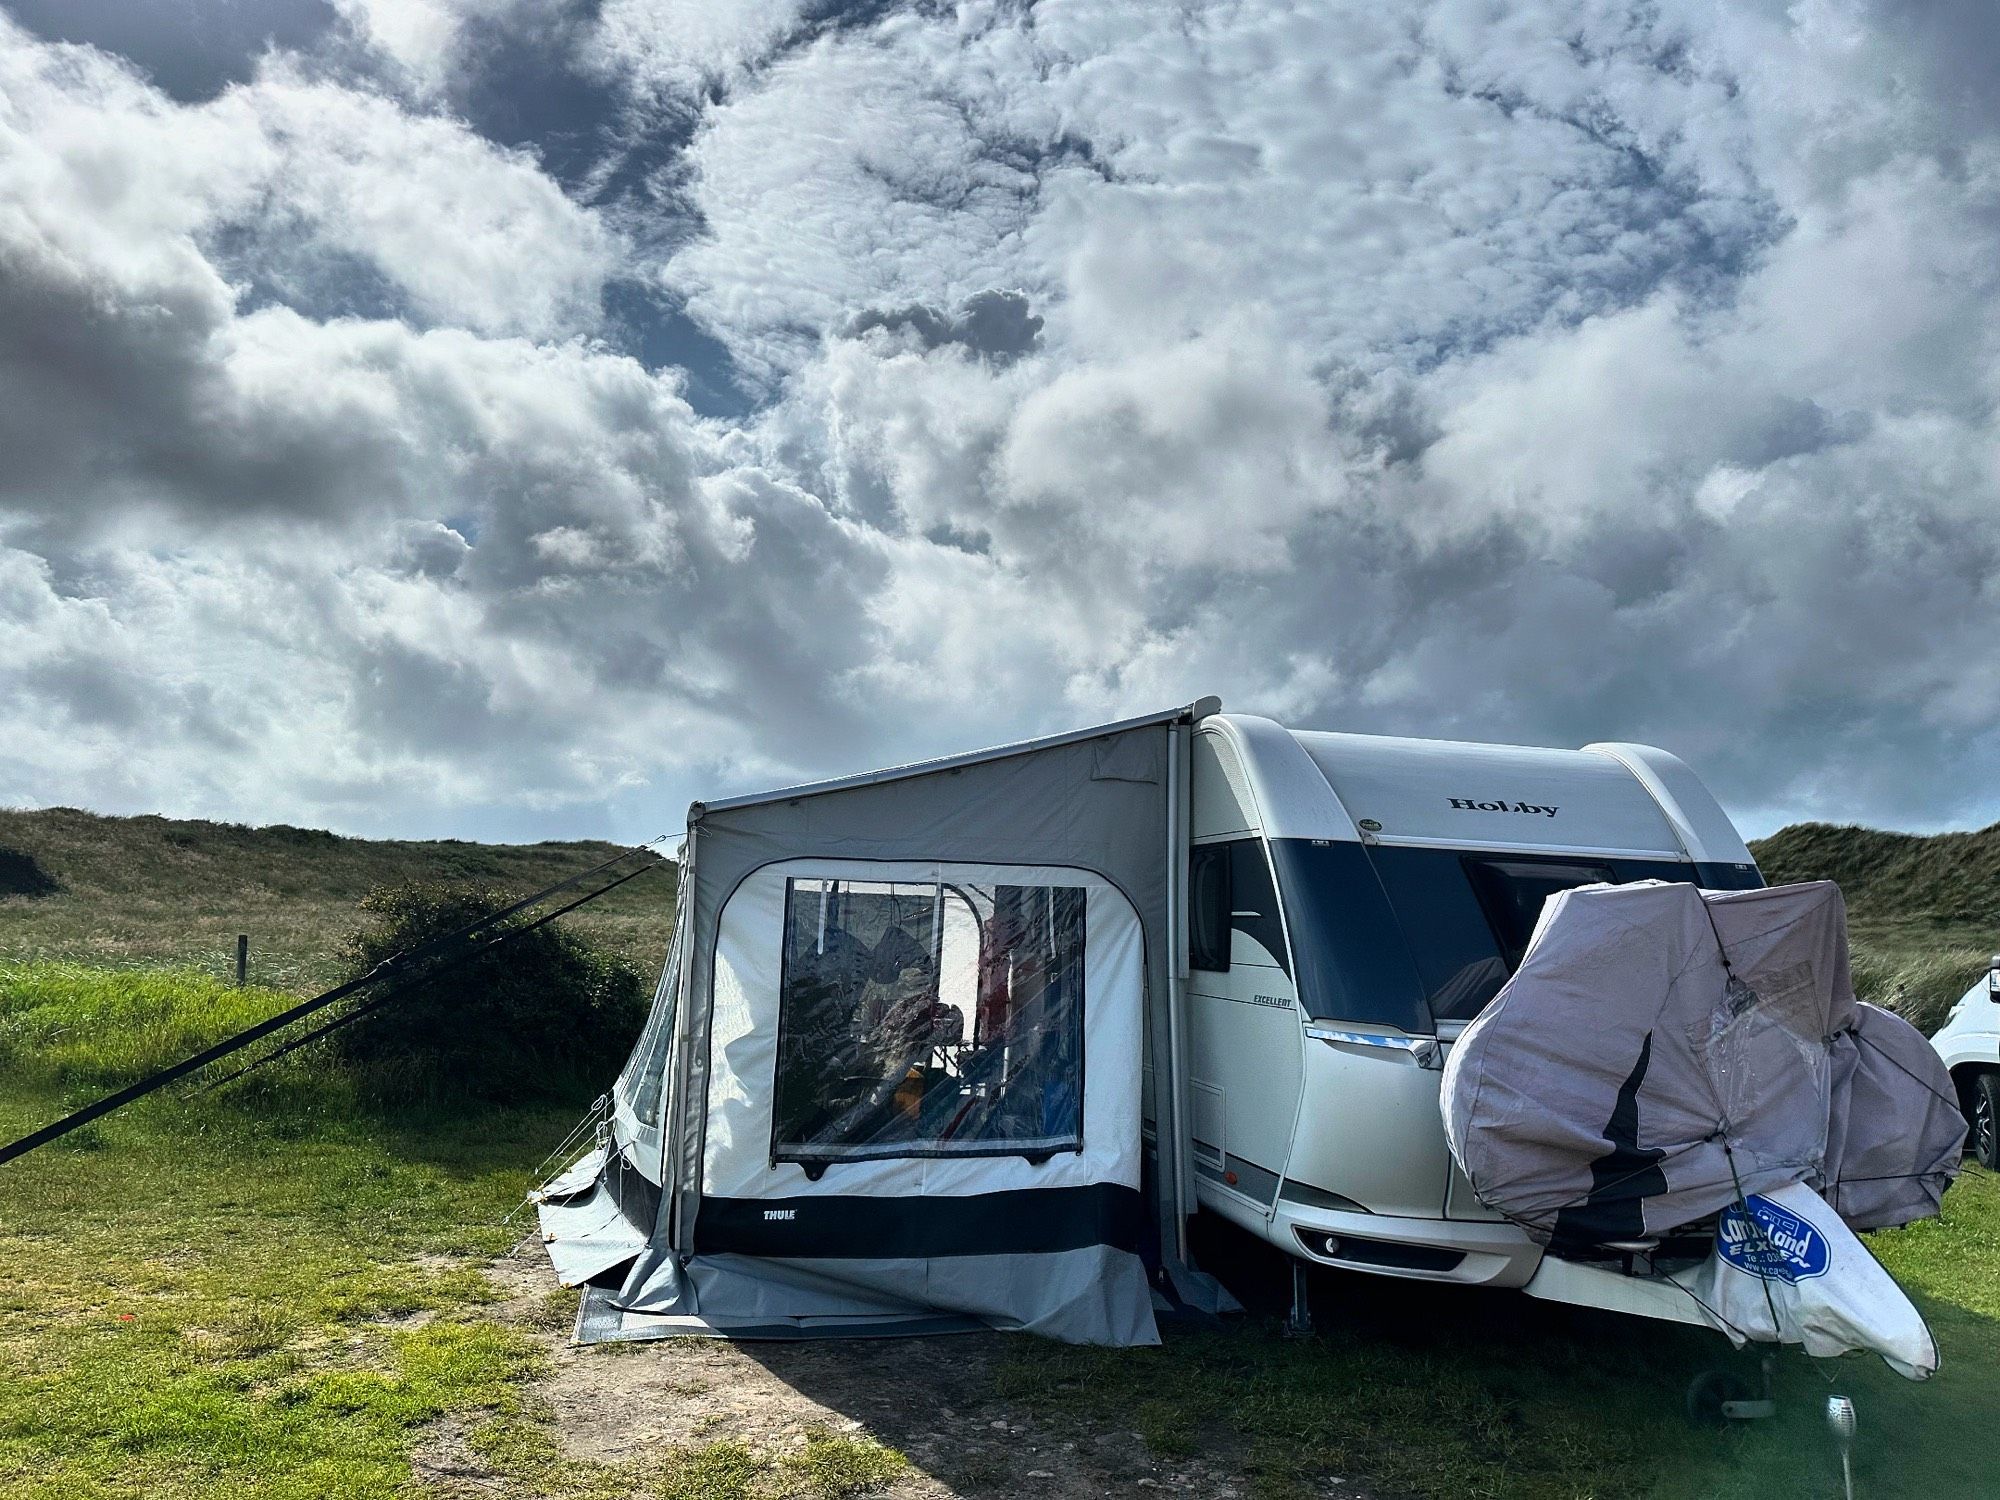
(512, 419)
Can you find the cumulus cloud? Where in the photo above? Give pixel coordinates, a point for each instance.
(1001, 325)
(1556, 372)
(302, 191)
(1393, 186)
(323, 566)
(425, 40)
(680, 47)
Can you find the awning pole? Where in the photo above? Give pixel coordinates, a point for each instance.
(678, 1195)
(1180, 1159)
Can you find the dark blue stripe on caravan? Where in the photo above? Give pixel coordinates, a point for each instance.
(1031, 1221)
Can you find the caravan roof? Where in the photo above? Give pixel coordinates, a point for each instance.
(1630, 800)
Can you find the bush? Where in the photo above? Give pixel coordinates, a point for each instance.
(22, 875)
(542, 1016)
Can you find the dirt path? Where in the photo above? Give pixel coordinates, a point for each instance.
(933, 1399)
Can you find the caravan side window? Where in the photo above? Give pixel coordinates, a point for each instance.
(1230, 891)
(929, 1020)
(1208, 907)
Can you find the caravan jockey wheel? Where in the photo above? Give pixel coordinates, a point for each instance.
(1718, 1396)
(1710, 1392)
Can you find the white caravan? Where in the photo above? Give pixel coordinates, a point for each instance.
(1969, 1043)
(818, 1135)
(1353, 902)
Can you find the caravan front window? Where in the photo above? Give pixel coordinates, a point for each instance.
(1512, 892)
(920, 1019)
(1468, 917)
(1406, 937)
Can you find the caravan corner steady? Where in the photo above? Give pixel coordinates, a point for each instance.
(965, 1043)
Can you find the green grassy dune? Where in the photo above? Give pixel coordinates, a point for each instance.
(124, 892)
(1923, 909)
(1940, 880)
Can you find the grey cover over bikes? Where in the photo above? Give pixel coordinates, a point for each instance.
(1662, 1052)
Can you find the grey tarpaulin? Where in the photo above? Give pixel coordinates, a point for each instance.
(1663, 1051)
(1891, 1149)
(593, 1218)
(756, 1235)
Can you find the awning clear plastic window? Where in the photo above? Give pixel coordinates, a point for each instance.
(929, 1019)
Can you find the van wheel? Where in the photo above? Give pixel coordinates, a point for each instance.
(1984, 1117)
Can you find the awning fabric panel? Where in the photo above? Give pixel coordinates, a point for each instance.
(782, 1218)
(1093, 1295)
(1015, 1238)
(598, 1215)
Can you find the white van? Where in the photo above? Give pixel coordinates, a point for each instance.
(1969, 1043)
(1353, 903)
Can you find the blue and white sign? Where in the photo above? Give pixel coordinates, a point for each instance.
(1787, 1270)
(1771, 1242)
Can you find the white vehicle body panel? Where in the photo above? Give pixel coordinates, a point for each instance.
(1442, 794)
(1246, 1023)
(1558, 1280)
(1970, 1035)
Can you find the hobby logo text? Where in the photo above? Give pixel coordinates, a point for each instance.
(1467, 804)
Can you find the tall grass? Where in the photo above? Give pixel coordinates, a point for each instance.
(70, 1033)
(1940, 878)
(67, 1024)
(1919, 984)
(145, 892)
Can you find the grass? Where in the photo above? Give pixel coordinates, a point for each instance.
(1446, 1392)
(831, 1466)
(1938, 880)
(145, 892)
(181, 1318)
(265, 1291)
(268, 1291)
(1917, 974)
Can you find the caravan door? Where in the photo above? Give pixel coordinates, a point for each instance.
(1243, 1023)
